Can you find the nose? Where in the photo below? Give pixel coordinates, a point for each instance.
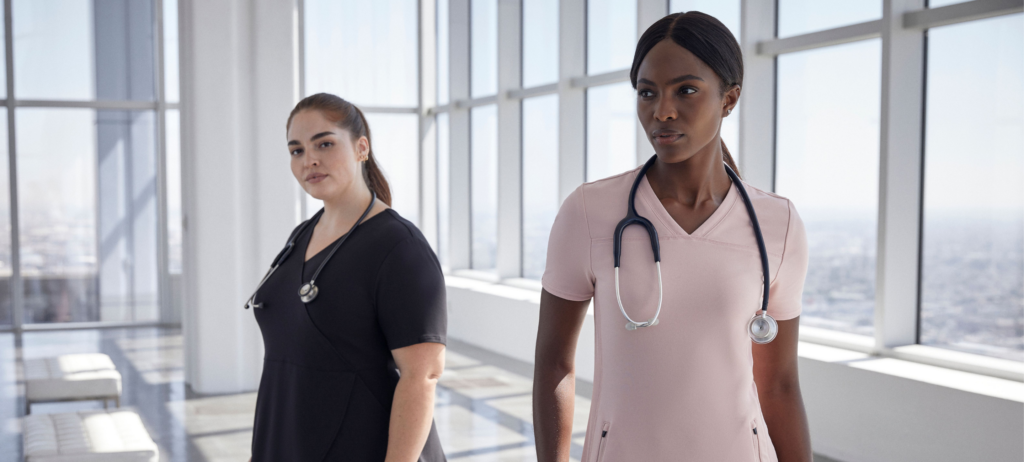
(311, 159)
(664, 110)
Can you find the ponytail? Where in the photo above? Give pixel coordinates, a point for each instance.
(372, 174)
(347, 116)
(728, 160)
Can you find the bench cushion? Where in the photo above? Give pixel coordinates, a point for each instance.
(67, 377)
(87, 436)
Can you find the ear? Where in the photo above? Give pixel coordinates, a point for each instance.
(362, 147)
(730, 99)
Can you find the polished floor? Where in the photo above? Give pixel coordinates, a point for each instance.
(483, 410)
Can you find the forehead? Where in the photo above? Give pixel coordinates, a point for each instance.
(668, 60)
(308, 123)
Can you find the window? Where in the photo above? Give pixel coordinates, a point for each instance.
(798, 17)
(483, 48)
(484, 186)
(827, 164)
(383, 43)
(174, 230)
(611, 35)
(611, 130)
(972, 282)
(540, 180)
(442, 52)
(540, 42)
(394, 144)
(6, 269)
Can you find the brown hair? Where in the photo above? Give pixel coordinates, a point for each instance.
(347, 116)
(708, 39)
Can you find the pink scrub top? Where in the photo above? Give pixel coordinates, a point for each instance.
(682, 390)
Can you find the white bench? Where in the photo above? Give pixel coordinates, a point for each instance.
(85, 376)
(87, 436)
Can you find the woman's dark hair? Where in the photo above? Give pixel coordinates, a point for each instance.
(704, 36)
(347, 116)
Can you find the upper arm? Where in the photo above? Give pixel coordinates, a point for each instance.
(775, 363)
(410, 296)
(786, 291)
(567, 270)
(560, 323)
(422, 360)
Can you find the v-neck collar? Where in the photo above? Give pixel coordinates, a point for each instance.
(646, 193)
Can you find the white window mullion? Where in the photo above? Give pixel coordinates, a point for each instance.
(757, 119)
(509, 140)
(899, 181)
(458, 56)
(572, 107)
(428, 127)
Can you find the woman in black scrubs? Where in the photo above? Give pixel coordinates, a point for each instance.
(349, 374)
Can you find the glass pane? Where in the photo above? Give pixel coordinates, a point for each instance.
(443, 190)
(442, 52)
(611, 35)
(365, 52)
(394, 144)
(171, 89)
(483, 45)
(484, 186)
(727, 11)
(972, 290)
(540, 180)
(77, 50)
(827, 164)
(611, 130)
(6, 269)
(88, 228)
(804, 16)
(174, 236)
(540, 42)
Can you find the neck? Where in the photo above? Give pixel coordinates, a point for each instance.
(693, 181)
(344, 209)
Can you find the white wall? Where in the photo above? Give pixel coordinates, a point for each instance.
(860, 407)
(239, 199)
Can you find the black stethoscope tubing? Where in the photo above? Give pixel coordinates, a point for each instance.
(308, 291)
(762, 328)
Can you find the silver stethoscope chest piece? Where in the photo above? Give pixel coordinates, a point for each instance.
(762, 328)
(308, 291)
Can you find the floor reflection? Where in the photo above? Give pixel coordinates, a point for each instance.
(483, 410)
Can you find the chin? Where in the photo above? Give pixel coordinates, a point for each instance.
(673, 154)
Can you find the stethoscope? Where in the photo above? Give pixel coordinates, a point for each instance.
(762, 328)
(309, 290)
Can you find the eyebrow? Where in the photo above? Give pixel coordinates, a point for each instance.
(314, 138)
(676, 80)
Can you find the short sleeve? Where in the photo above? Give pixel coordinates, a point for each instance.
(567, 272)
(410, 295)
(786, 292)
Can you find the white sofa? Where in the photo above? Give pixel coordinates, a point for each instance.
(74, 377)
(88, 436)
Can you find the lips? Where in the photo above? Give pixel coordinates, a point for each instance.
(666, 136)
(315, 177)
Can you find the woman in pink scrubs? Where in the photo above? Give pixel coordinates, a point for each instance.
(694, 387)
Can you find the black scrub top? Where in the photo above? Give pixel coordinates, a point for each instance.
(328, 374)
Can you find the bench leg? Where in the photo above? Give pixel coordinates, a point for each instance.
(28, 407)
(117, 401)
(104, 403)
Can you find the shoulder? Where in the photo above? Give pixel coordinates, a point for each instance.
(600, 201)
(777, 215)
(393, 231)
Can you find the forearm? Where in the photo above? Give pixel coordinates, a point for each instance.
(554, 392)
(787, 424)
(412, 413)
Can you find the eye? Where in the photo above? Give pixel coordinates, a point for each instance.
(687, 90)
(295, 152)
(326, 144)
(645, 93)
